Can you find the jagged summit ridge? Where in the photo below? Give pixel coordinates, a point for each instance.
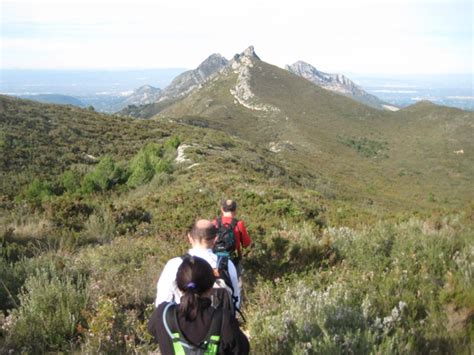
(186, 82)
(249, 52)
(245, 58)
(334, 82)
(213, 63)
(212, 67)
(307, 71)
(337, 83)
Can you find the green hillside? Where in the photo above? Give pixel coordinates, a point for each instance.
(92, 206)
(405, 159)
(55, 99)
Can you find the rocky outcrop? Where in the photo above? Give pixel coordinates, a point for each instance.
(186, 82)
(241, 64)
(337, 83)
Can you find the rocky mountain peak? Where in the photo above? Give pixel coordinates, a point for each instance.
(211, 64)
(247, 55)
(301, 67)
(250, 53)
(335, 82)
(147, 88)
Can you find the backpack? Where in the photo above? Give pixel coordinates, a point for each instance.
(225, 243)
(223, 281)
(181, 345)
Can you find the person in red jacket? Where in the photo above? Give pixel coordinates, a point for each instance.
(242, 238)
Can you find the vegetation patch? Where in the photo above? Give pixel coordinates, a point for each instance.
(366, 147)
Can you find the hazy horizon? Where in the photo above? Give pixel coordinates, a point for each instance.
(98, 86)
(367, 36)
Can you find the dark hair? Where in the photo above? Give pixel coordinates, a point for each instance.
(194, 278)
(208, 232)
(229, 205)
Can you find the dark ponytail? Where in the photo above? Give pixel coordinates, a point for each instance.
(194, 278)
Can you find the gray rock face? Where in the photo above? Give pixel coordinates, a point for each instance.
(191, 79)
(335, 82)
(247, 53)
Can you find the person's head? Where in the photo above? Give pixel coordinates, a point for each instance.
(203, 234)
(228, 207)
(195, 279)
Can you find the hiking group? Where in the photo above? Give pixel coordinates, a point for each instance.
(199, 293)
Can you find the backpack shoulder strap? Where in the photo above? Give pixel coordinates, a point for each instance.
(210, 341)
(170, 321)
(234, 222)
(213, 336)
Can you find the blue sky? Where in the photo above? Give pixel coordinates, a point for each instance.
(358, 36)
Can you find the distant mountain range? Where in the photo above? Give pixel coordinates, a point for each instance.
(191, 80)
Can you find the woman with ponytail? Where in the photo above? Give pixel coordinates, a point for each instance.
(193, 324)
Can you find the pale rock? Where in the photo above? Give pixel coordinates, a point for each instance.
(337, 83)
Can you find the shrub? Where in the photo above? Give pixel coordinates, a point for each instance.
(70, 181)
(289, 250)
(164, 166)
(172, 143)
(100, 226)
(38, 191)
(113, 329)
(11, 281)
(152, 159)
(49, 313)
(68, 212)
(127, 219)
(105, 175)
(143, 165)
(366, 147)
(301, 315)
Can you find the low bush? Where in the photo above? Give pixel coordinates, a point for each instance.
(104, 176)
(70, 181)
(393, 291)
(143, 165)
(38, 191)
(292, 249)
(69, 213)
(49, 314)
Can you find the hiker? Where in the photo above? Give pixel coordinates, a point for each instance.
(202, 237)
(225, 224)
(194, 325)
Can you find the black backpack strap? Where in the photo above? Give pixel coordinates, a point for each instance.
(216, 325)
(170, 321)
(223, 267)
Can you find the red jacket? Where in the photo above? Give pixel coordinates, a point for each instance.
(240, 232)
